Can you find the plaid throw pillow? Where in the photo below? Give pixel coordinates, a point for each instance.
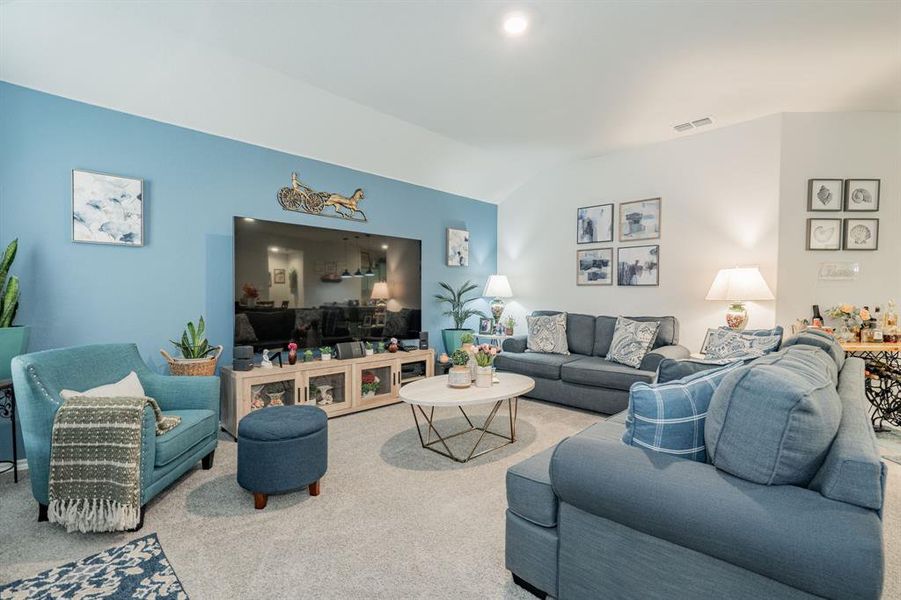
(669, 417)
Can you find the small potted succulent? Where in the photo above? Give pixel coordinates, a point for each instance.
(509, 324)
(195, 352)
(381, 347)
(368, 347)
(459, 374)
(369, 384)
(308, 356)
(484, 358)
(466, 340)
(292, 353)
(326, 352)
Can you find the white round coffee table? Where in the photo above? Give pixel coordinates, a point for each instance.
(425, 395)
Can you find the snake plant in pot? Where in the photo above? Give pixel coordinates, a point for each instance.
(13, 339)
(458, 310)
(195, 352)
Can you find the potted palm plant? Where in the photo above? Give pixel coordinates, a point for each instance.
(458, 310)
(13, 339)
(195, 352)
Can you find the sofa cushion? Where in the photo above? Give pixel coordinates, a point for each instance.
(819, 339)
(599, 372)
(772, 422)
(669, 417)
(533, 364)
(667, 332)
(727, 343)
(272, 325)
(195, 426)
(547, 333)
(579, 331)
(671, 369)
(529, 492)
(853, 471)
(632, 340)
(244, 333)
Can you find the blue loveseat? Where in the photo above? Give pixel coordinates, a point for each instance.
(39, 377)
(595, 518)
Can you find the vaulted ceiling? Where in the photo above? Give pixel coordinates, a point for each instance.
(433, 93)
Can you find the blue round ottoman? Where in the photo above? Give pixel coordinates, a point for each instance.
(281, 449)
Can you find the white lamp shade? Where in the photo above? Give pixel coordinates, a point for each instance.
(380, 291)
(497, 287)
(738, 285)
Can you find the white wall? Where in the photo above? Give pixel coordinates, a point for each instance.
(838, 146)
(720, 194)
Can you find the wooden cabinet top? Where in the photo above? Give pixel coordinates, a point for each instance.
(290, 370)
(871, 347)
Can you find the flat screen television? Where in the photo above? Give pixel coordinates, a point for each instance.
(318, 286)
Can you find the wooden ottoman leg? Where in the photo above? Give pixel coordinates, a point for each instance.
(259, 500)
(42, 512)
(314, 488)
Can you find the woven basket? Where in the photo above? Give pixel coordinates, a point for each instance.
(192, 366)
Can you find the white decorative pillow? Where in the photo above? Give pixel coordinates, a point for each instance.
(547, 333)
(631, 341)
(128, 387)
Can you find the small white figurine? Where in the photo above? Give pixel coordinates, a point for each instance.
(266, 364)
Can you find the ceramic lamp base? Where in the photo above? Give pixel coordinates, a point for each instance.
(737, 316)
(497, 309)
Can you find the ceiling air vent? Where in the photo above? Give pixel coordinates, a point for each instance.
(683, 127)
(693, 124)
(702, 122)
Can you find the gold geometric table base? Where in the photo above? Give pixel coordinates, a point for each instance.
(441, 440)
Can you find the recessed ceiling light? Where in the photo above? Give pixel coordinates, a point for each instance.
(249, 219)
(515, 24)
(274, 248)
(384, 246)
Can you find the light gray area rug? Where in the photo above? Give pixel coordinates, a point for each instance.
(393, 521)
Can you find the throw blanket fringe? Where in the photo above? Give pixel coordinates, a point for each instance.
(95, 462)
(93, 514)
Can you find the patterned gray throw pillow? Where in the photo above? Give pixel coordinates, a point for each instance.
(725, 343)
(547, 334)
(631, 341)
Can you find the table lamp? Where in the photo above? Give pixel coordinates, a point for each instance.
(737, 286)
(380, 292)
(498, 288)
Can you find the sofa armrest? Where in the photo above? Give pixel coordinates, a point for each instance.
(652, 359)
(787, 533)
(174, 392)
(517, 343)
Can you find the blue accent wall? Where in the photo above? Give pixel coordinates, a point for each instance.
(194, 183)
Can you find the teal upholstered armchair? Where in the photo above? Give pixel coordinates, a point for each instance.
(39, 377)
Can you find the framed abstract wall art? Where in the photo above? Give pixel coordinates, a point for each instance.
(594, 267)
(107, 209)
(457, 247)
(594, 224)
(639, 220)
(638, 265)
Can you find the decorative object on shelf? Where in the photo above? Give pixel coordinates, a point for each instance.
(850, 318)
(381, 348)
(392, 345)
(444, 358)
(838, 271)
(458, 310)
(302, 198)
(594, 267)
(639, 220)
(368, 349)
(498, 288)
(466, 341)
(737, 286)
(824, 234)
(825, 195)
(369, 384)
(509, 325)
(276, 398)
(380, 293)
(325, 353)
(278, 276)
(292, 353)
(484, 358)
(195, 352)
(485, 326)
(325, 394)
(594, 224)
(459, 375)
(107, 209)
(638, 265)
(13, 339)
(308, 355)
(457, 247)
(251, 293)
(862, 195)
(861, 234)
(266, 362)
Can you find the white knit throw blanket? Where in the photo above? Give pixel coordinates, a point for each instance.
(95, 462)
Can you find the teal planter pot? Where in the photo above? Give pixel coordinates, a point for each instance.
(451, 338)
(13, 342)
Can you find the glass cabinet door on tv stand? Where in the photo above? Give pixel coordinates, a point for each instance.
(277, 389)
(328, 388)
(377, 380)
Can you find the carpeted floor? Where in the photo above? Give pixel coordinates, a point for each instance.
(393, 520)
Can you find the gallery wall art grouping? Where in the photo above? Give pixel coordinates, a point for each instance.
(635, 265)
(848, 196)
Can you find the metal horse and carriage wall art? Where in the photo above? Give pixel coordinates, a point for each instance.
(304, 199)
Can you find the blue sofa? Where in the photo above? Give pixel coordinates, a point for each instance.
(595, 518)
(39, 377)
(584, 378)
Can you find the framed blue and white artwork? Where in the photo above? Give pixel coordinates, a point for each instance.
(457, 247)
(107, 209)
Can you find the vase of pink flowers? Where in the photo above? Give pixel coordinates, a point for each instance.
(292, 353)
(484, 356)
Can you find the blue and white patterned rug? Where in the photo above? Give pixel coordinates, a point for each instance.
(138, 569)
